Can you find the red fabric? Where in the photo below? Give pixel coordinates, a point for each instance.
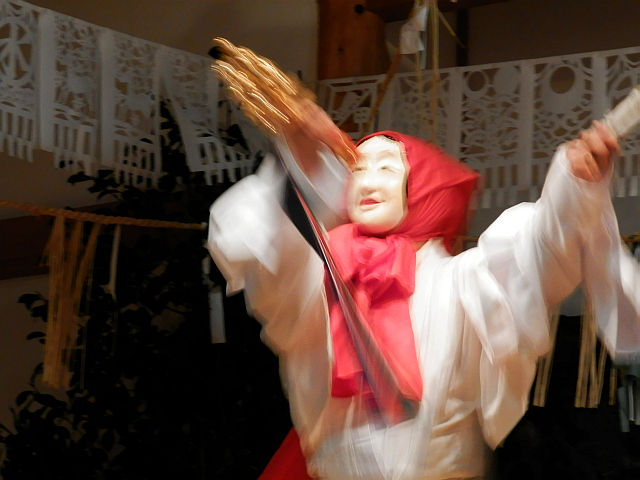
(288, 462)
(381, 274)
(380, 271)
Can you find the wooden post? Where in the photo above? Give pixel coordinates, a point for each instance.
(351, 40)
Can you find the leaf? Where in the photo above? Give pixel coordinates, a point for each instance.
(108, 439)
(55, 415)
(61, 433)
(37, 371)
(78, 177)
(167, 183)
(24, 397)
(40, 311)
(49, 400)
(33, 335)
(29, 299)
(107, 191)
(102, 173)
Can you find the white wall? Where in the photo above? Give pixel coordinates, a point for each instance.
(519, 29)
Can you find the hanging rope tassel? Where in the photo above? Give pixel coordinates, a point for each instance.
(113, 267)
(85, 278)
(613, 384)
(591, 366)
(543, 374)
(110, 288)
(55, 252)
(586, 352)
(434, 18)
(67, 275)
(435, 67)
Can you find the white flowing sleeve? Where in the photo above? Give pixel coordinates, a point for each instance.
(528, 260)
(260, 251)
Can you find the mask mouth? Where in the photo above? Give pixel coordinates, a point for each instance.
(369, 202)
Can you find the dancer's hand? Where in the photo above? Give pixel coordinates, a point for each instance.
(312, 127)
(592, 153)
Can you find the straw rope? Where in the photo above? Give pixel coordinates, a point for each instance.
(69, 269)
(96, 218)
(382, 90)
(435, 70)
(591, 364)
(53, 354)
(543, 373)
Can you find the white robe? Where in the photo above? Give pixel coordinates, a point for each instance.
(480, 321)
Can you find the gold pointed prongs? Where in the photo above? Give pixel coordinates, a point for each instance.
(265, 94)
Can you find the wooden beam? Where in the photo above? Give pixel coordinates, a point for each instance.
(351, 40)
(22, 242)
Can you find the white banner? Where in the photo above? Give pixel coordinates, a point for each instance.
(92, 97)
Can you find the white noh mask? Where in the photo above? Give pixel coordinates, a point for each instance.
(377, 190)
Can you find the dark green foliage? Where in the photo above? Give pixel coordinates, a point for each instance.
(150, 396)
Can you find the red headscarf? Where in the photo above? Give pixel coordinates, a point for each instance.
(380, 270)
